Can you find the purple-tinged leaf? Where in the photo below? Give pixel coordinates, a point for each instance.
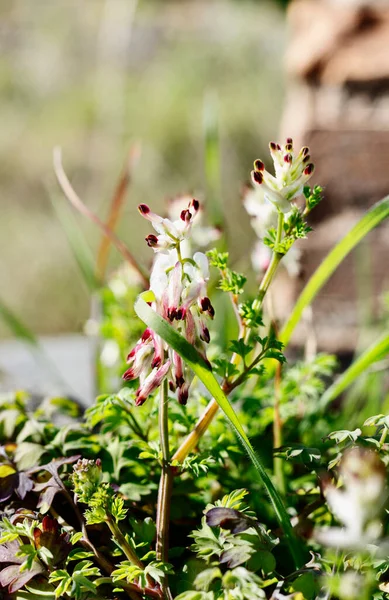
(25, 485)
(228, 518)
(14, 579)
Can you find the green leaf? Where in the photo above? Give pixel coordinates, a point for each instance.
(240, 347)
(371, 219)
(201, 369)
(344, 434)
(27, 455)
(374, 353)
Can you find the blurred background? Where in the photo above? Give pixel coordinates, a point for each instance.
(101, 76)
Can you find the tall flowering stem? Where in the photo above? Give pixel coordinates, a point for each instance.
(165, 484)
(178, 286)
(292, 172)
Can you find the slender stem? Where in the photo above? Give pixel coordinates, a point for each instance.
(165, 484)
(134, 423)
(275, 260)
(277, 433)
(205, 420)
(76, 201)
(132, 590)
(124, 545)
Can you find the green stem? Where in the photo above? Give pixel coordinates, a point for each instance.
(134, 423)
(124, 545)
(165, 484)
(277, 433)
(275, 260)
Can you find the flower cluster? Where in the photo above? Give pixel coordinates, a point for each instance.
(86, 478)
(179, 286)
(292, 171)
(170, 233)
(272, 193)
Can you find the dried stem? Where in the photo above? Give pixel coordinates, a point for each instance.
(76, 201)
(116, 207)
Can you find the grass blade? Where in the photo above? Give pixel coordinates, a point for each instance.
(371, 219)
(24, 334)
(17, 327)
(77, 242)
(198, 365)
(374, 353)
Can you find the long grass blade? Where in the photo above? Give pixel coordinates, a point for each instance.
(375, 215)
(376, 352)
(77, 242)
(200, 368)
(25, 335)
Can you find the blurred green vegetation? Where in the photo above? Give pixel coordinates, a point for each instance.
(97, 76)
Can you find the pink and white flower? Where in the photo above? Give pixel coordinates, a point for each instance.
(180, 296)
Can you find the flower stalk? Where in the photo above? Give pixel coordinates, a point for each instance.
(165, 485)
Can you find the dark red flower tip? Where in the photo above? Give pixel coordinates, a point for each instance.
(151, 240)
(307, 158)
(278, 147)
(258, 177)
(273, 146)
(183, 394)
(259, 165)
(309, 169)
(288, 158)
(156, 362)
(180, 381)
(289, 147)
(172, 387)
(139, 400)
(143, 209)
(289, 141)
(195, 204)
(146, 335)
(179, 313)
(128, 375)
(171, 314)
(305, 151)
(186, 215)
(205, 303)
(205, 335)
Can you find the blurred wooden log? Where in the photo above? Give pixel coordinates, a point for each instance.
(338, 104)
